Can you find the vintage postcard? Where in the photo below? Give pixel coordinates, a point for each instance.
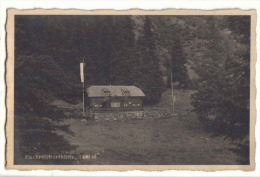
(131, 90)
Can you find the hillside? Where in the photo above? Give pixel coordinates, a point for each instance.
(50, 64)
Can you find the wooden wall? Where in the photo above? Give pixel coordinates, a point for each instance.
(121, 103)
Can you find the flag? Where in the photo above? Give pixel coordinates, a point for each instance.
(82, 71)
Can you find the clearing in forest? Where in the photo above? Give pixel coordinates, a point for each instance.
(176, 139)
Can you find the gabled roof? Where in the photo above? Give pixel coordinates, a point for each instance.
(97, 91)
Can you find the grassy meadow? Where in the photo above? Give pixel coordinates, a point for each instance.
(176, 139)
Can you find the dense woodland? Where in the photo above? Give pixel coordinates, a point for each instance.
(210, 54)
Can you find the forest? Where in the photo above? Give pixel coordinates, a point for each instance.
(208, 54)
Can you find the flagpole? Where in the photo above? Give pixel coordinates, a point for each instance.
(83, 90)
(172, 94)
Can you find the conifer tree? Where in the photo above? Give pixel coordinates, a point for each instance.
(177, 64)
(148, 74)
(123, 57)
(207, 101)
(223, 92)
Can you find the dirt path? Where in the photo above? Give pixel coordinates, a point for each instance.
(177, 140)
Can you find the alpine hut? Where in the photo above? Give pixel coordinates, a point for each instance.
(114, 98)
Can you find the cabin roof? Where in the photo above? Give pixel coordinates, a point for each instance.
(98, 91)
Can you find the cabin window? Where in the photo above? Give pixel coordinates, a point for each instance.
(97, 106)
(125, 92)
(115, 104)
(106, 92)
(136, 105)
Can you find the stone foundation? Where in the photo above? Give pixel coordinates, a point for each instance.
(109, 116)
(117, 116)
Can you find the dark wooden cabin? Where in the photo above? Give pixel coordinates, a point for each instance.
(114, 98)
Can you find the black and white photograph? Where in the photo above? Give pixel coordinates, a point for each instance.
(132, 89)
